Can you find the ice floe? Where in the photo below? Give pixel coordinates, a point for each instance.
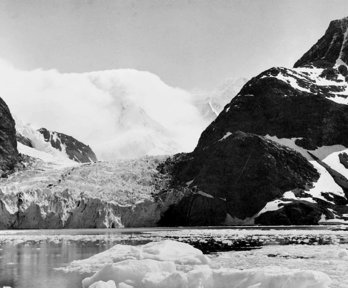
(168, 264)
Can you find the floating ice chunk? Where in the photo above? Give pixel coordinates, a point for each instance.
(200, 277)
(159, 280)
(157, 274)
(103, 284)
(162, 272)
(167, 250)
(269, 277)
(177, 252)
(343, 254)
(115, 254)
(124, 285)
(133, 270)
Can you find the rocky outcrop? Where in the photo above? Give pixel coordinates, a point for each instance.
(344, 159)
(330, 49)
(8, 144)
(273, 104)
(307, 102)
(294, 213)
(24, 140)
(237, 175)
(306, 108)
(75, 149)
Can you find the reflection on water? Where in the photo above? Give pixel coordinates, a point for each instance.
(28, 258)
(32, 265)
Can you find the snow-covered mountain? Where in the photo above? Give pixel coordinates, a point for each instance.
(58, 149)
(74, 149)
(277, 153)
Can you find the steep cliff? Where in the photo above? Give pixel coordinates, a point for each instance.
(8, 143)
(246, 179)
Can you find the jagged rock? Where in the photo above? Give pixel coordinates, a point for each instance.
(8, 142)
(7, 217)
(195, 210)
(330, 49)
(343, 159)
(269, 105)
(304, 102)
(24, 140)
(237, 175)
(75, 149)
(307, 105)
(294, 213)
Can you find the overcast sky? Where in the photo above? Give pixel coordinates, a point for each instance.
(188, 43)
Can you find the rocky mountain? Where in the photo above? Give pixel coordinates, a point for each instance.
(234, 179)
(331, 49)
(8, 143)
(275, 155)
(245, 177)
(75, 149)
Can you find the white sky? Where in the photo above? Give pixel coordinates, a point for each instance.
(192, 44)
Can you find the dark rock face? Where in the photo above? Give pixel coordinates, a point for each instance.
(343, 159)
(294, 213)
(269, 105)
(330, 48)
(24, 140)
(75, 149)
(237, 175)
(8, 143)
(308, 104)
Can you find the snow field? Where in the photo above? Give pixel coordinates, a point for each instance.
(41, 149)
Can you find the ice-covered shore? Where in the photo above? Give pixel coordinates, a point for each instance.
(170, 263)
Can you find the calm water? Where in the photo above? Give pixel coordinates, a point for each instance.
(28, 258)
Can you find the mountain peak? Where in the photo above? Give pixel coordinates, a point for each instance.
(331, 49)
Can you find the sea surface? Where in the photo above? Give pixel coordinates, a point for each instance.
(30, 258)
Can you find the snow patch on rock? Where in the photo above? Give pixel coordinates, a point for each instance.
(41, 149)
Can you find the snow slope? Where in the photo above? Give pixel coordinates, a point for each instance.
(41, 149)
(325, 183)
